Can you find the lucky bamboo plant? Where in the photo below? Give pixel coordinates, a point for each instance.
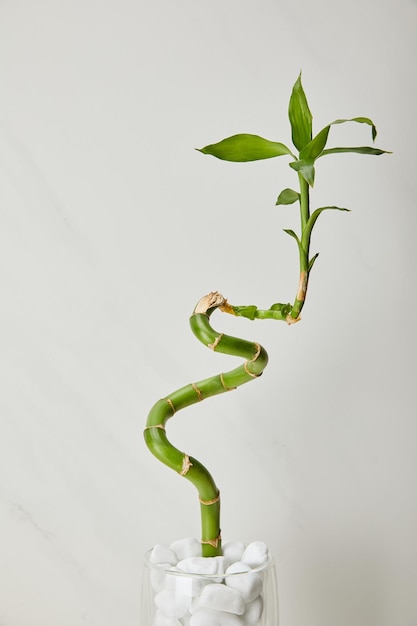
(246, 147)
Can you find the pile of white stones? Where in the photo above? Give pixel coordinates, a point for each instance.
(226, 591)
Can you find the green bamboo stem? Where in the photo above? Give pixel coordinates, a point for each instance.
(304, 249)
(187, 466)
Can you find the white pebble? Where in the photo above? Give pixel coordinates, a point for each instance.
(222, 598)
(186, 620)
(187, 586)
(248, 584)
(253, 612)
(172, 604)
(162, 620)
(232, 552)
(256, 554)
(206, 566)
(158, 577)
(186, 548)
(208, 617)
(163, 554)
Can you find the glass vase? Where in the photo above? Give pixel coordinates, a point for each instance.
(174, 598)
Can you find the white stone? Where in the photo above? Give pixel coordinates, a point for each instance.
(163, 554)
(209, 617)
(238, 567)
(232, 552)
(222, 598)
(172, 604)
(256, 554)
(195, 604)
(158, 577)
(162, 620)
(185, 621)
(206, 566)
(247, 582)
(187, 586)
(253, 612)
(186, 548)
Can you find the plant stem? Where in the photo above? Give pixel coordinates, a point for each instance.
(304, 248)
(163, 410)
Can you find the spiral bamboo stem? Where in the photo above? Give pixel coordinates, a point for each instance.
(155, 436)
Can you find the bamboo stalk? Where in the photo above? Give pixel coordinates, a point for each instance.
(155, 436)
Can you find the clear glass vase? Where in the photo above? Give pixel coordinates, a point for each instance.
(175, 598)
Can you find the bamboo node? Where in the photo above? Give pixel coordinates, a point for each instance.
(291, 320)
(161, 426)
(258, 352)
(186, 465)
(212, 542)
(198, 391)
(249, 373)
(227, 308)
(170, 404)
(224, 384)
(209, 502)
(215, 343)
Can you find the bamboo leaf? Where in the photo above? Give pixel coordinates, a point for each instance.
(312, 261)
(306, 169)
(359, 120)
(300, 116)
(287, 196)
(313, 218)
(357, 150)
(292, 234)
(244, 147)
(316, 146)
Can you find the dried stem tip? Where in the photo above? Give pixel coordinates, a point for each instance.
(211, 300)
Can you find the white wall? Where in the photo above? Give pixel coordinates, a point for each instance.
(112, 227)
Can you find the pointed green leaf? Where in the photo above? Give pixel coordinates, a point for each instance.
(299, 244)
(306, 169)
(287, 196)
(292, 234)
(313, 218)
(300, 116)
(357, 150)
(360, 120)
(312, 261)
(244, 147)
(316, 146)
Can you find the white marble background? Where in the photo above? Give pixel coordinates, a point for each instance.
(112, 227)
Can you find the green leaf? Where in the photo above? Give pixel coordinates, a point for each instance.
(244, 147)
(357, 150)
(300, 116)
(299, 244)
(292, 234)
(312, 261)
(306, 169)
(315, 147)
(360, 120)
(313, 218)
(287, 196)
